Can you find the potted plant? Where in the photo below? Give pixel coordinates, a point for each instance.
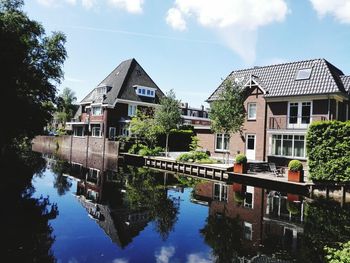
(295, 171)
(239, 198)
(240, 165)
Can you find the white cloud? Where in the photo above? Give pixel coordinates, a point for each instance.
(235, 21)
(164, 255)
(132, 6)
(199, 258)
(88, 3)
(340, 9)
(120, 260)
(175, 19)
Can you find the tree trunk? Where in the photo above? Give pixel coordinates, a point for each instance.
(166, 144)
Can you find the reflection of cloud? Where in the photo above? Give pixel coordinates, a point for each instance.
(199, 258)
(340, 9)
(164, 255)
(120, 260)
(235, 21)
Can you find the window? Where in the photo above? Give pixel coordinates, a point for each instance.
(93, 175)
(247, 231)
(96, 110)
(299, 114)
(112, 133)
(288, 145)
(220, 192)
(96, 131)
(78, 131)
(249, 197)
(304, 73)
(132, 110)
(124, 129)
(145, 91)
(222, 142)
(293, 112)
(251, 111)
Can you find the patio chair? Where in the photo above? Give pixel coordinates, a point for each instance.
(276, 171)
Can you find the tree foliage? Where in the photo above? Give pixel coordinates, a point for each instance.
(32, 66)
(328, 148)
(227, 112)
(341, 255)
(167, 115)
(65, 105)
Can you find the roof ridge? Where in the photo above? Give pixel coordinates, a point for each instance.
(277, 64)
(125, 61)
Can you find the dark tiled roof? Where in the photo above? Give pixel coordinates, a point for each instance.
(279, 80)
(121, 82)
(346, 82)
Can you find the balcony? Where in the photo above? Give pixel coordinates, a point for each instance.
(295, 122)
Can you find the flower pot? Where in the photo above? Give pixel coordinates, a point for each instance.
(240, 168)
(237, 187)
(293, 197)
(295, 176)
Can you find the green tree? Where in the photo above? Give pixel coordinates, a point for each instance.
(65, 106)
(144, 128)
(168, 116)
(227, 113)
(33, 69)
(341, 255)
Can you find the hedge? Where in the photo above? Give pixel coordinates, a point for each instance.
(328, 148)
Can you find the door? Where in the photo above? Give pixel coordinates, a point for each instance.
(250, 146)
(299, 115)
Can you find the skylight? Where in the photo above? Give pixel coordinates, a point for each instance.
(304, 73)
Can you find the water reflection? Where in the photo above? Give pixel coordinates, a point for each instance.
(242, 223)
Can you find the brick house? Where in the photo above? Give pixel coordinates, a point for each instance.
(281, 101)
(108, 108)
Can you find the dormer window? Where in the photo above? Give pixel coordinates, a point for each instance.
(145, 91)
(103, 90)
(304, 73)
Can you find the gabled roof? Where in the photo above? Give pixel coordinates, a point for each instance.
(280, 80)
(120, 84)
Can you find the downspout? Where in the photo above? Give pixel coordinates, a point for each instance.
(104, 137)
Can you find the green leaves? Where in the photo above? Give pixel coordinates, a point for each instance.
(227, 113)
(328, 148)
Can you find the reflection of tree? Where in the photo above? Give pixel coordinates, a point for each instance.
(27, 235)
(223, 235)
(145, 191)
(61, 183)
(326, 224)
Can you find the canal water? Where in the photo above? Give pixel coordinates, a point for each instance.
(101, 210)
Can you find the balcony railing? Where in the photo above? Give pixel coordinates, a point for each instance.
(295, 122)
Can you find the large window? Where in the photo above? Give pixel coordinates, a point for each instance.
(251, 111)
(78, 131)
(146, 91)
(299, 114)
(222, 142)
(220, 192)
(96, 110)
(288, 145)
(96, 131)
(132, 110)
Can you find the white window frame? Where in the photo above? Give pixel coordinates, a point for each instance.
(223, 192)
(114, 129)
(223, 143)
(250, 190)
(293, 149)
(74, 131)
(93, 133)
(132, 109)
(249, 117)
(249, 226)
(95, 107)
(145, 91)
(299, 123)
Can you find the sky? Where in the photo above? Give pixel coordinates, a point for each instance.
(190, 46)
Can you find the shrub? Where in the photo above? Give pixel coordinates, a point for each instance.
(239, 197)
(295, 166)
(292, 207)
(328, 147)
(196, 156)
(136, 148)
(145, 151)
(241, 158)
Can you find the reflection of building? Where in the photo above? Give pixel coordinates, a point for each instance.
(266, 219)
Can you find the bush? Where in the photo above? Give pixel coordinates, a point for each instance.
(135, 148)
(328, 147)
(145, 151)
(292, 207)
(241, 158)
(295, 166)
(196, 156)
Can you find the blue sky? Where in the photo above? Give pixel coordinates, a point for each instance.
(191, 45)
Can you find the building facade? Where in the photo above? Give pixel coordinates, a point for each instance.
(107, 110)
(281, 101)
